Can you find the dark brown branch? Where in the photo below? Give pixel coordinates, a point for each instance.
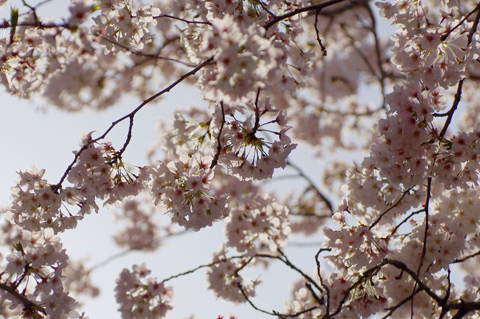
(316, 7)
(404, 268)
(456, 101)
(325, 287)
(180, 19)
(378, 51)
(446, 35)
(7, 25)
(458, 94)
(459, 260)
(365, 276)
(463, 307)
(392, 309)
(219, 144)
(119, 154)
(312, 184)
(390, 208)
(257, 113)
(264, 7)
(324, 50)
(222, 261)
(129, 116)
(447, 294)
(191, 271)
(147, 55)
(27, 304)
(341, 9)
(287, 262)
(427, 213)
(420, 286)
(405, 220)
(320, 301)
(273, 313)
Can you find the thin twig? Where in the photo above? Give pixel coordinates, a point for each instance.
(427, 213)
(458, 94)
(264, 7)
(392, 309)
(273, 313)
(7, 25)
(180, 19)
(459, 260)
(324, 50)
(24, 300)
(390, 208)
(378, 52)
(110, 259)
(315, 7)
(129, 116)
(147, 55)
(191, 271)
(287, 262)
(312, 184)
(446, 35)
(219, 144)
(324, 286)
(406, 219)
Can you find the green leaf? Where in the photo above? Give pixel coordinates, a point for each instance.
(18, 247)
(13, 22)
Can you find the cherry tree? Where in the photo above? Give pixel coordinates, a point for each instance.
(399, 225)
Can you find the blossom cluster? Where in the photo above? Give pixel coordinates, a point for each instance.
(140, 297)
(123, 25)
(408, 209)
(245, 60)
(36, 204)
(262, 224)
(183, 189)
(141, 232)
(249, 155)
(403, 210)
(226, 282)
(38, 258)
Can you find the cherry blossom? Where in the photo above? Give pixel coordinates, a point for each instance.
(314, 127)
(142, 297)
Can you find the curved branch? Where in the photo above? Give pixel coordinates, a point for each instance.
(219, 144)
(273, 313)
(458, 95)
(324, 286)
(390, 208)
(146, 55)
(287, 262)
(315, 7)
(312, 184)
(24, 300)
(130, 116)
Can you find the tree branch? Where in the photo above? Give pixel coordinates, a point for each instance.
(24, 300)
(219, 144)
(273, 313)
(312, 184)
(390, 208)
(458, 95)
(316, 7)
(129, 116)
